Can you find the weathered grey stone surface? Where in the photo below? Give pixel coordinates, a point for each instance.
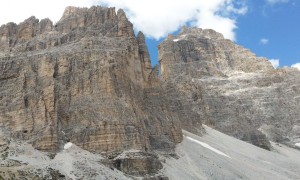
(88, 80)
(84, 80)
(231, 89)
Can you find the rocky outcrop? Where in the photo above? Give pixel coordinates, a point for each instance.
(25, 162)
(86, 79)
(12, 34)
(231, 89)
(138, 163)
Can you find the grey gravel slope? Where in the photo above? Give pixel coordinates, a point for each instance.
(245, 161)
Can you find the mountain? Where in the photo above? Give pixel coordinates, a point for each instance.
(231, 89)
(80, 99)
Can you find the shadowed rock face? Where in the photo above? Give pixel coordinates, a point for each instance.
(231, 89)
(87, 80)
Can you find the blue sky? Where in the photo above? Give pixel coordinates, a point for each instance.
(278, 24)
(269, 28)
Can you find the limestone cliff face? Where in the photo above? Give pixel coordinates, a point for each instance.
(86, 79)
(231, 89)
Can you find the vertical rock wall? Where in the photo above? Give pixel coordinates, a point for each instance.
(86, 79)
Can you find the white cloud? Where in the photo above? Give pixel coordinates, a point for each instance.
(297, 65)
(275, 62)
(276, 1)
(19, 10)
(264, 41)
(156, 18)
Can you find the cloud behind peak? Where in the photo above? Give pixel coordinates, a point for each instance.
(157, 18)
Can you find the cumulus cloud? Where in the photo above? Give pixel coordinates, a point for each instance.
(264, 41)
(275, 62)
(276, 1)
(156, 18)
(297, 65)
(19, 10)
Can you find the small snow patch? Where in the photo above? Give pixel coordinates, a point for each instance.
(175, 40)
(208, 146)
(267, 162)
(297, 144)
(68, 145)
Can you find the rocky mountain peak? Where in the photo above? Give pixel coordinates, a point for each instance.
(206, 53)
(204, 33)
(86, 80)
(75, 23)
(85, 87)
(125, 27)
(231, 88)
(112, 23)
(72, 11)
(141, 37)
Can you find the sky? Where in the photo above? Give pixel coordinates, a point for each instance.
(269, 28)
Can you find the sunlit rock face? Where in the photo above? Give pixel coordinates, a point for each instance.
(87, 79)
(80, 98)
(231, 89)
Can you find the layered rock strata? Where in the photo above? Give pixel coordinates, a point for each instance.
(231, 89)
(87, 80)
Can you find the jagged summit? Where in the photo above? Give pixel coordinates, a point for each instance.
(205, 33)
(87, 82)
(92, 21)
(231, 89)
(209, 54)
